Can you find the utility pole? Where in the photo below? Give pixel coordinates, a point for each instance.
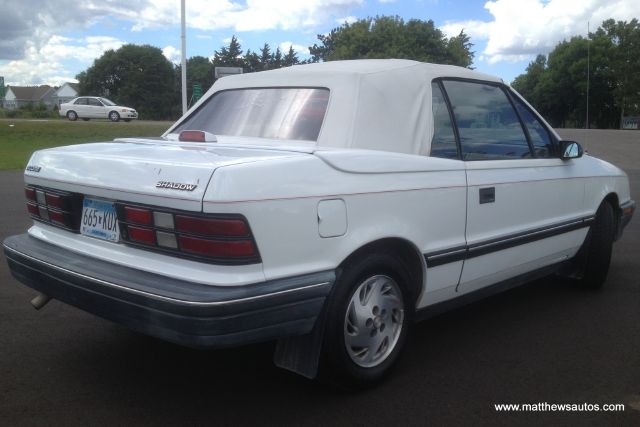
(183, 55)
(588, 76)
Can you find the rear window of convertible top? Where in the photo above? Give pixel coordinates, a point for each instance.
(279, 113)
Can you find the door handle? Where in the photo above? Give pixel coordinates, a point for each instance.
(487, 195)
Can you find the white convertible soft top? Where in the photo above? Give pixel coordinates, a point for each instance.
(377, 104)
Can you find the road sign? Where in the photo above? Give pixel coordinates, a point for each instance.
(219, 72)
(197, 92)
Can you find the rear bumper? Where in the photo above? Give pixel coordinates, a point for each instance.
(183, 312)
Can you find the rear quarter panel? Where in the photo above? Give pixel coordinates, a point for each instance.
(280, 200)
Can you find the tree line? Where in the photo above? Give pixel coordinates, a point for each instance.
(142, 77)
(606, 64)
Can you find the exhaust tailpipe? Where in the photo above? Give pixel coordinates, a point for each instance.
(40, 301)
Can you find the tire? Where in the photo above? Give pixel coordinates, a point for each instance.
(114, 116)
(71, 115)
(597, 248)
(368, 318)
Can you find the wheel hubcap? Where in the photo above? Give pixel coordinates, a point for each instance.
(373, 321)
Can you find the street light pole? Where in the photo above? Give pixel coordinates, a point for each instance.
(183, 55)
(588, 76)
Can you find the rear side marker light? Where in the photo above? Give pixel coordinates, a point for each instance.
(211, 227)
(138, 216)
(142, 235)
(217, 248)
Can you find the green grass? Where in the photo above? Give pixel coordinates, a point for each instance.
(20, 138)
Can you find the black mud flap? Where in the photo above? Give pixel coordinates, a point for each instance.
(301, 353)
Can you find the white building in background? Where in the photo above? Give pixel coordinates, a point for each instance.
(66, 93)
(20, 96)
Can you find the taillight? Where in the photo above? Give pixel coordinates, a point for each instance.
(138, 216)
(211, 227)
(222, 239)
(30, 193)
(142, 235)
(217, 248)
(51, 206)
(33, 209)
(56, 201)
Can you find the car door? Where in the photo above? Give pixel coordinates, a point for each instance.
(524, 203)
(80, 107)
(96, 109)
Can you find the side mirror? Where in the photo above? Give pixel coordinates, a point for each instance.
(570, 150)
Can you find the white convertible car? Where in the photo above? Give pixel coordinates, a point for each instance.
(325, 206)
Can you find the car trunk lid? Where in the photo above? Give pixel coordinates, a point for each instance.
(145, 171)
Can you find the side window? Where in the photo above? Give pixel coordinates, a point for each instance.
(94, 102)
(81, 101)
(488, 125)
(443, 143)
(538, 133)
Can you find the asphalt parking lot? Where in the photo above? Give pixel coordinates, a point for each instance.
(547, 341)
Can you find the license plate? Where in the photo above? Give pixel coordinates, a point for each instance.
(99, 220)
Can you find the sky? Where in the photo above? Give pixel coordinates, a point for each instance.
(51, 41)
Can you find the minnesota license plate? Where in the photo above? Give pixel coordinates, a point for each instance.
(99, 220)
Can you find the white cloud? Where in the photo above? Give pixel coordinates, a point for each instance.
(255, 15)
(298, 48)
(28, 24)
(33, 52)
(346, 20)
(45, 64)
(521, 29)
(172, 54)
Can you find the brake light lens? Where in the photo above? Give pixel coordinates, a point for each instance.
(33, 209)
(30, 193)
(55, 200)
(138, 216)
(211, 227)
(217, 248)
(196, 136)
(58, 217)
(142, 235)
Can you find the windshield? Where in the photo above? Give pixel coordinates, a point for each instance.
(280, 113)
(108, 102)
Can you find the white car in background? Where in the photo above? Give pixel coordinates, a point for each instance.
(326, 206)
(95, 107)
